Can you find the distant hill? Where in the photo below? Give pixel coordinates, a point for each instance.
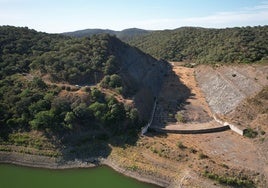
(124, 35)
(89, 32)
(201, 45)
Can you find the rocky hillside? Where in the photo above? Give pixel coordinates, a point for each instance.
(226, 87)
(56, 84)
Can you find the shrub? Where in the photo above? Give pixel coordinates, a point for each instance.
(97, 95)
(192, 150)
(87, 89)
(133, 168)
(180, 118)
(202, 156)
(105, 81)
(119, 90)
(180, 145)
(115, 81)
(232, 181)
(250, 133)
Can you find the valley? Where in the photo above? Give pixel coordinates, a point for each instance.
(70, 102)
(184, 158)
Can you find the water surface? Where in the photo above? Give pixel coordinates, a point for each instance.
(12, 176)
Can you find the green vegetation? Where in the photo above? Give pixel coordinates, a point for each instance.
(181, 146)
(31, 66)
(133, 168)
(200, 45)
(202, 156)
(64, 59)
(112, 82)
(180, 118)
(232, 181)
(250, 133)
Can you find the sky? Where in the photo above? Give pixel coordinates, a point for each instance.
(56, 16)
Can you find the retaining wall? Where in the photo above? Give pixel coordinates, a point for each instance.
(234, 128)
(199, 131)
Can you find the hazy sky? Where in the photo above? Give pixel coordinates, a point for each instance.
(54, 16)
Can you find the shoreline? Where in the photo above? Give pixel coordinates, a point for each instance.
(36, 161)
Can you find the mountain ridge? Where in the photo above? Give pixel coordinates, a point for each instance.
(196, 44)
(125, 34)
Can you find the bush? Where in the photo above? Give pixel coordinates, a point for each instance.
(263, 132)
(232, 181)
(250, 133)
(181, 146)
(87, 89)
(38, 83)
(113, 81)
(180, 118)
(105, 81)
(202, 156)
(97, 95)
(192, 150)
(42, 120)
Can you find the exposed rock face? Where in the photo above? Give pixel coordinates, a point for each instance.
(225, 87)
(142, 75)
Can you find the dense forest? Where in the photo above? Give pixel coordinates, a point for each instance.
(55, 84)
(200, 45)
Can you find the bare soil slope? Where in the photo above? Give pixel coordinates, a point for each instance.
(192, 92)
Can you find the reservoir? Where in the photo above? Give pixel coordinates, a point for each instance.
(12, 176)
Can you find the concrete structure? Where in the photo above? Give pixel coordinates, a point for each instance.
(235, 128)
(199, 131)
(145, 129)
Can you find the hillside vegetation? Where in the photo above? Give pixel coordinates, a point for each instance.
(60, 85)
(200, 45)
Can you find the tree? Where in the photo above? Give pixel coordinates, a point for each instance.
(60, 105)
(38, 106)
(134, 115)
(111, 66)
(69, 119)
(97, 95)
(38, 83)
(105, 81)
(82, 112)
(117, 112)
(42, 120)
(99, 110)
(115, 81)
